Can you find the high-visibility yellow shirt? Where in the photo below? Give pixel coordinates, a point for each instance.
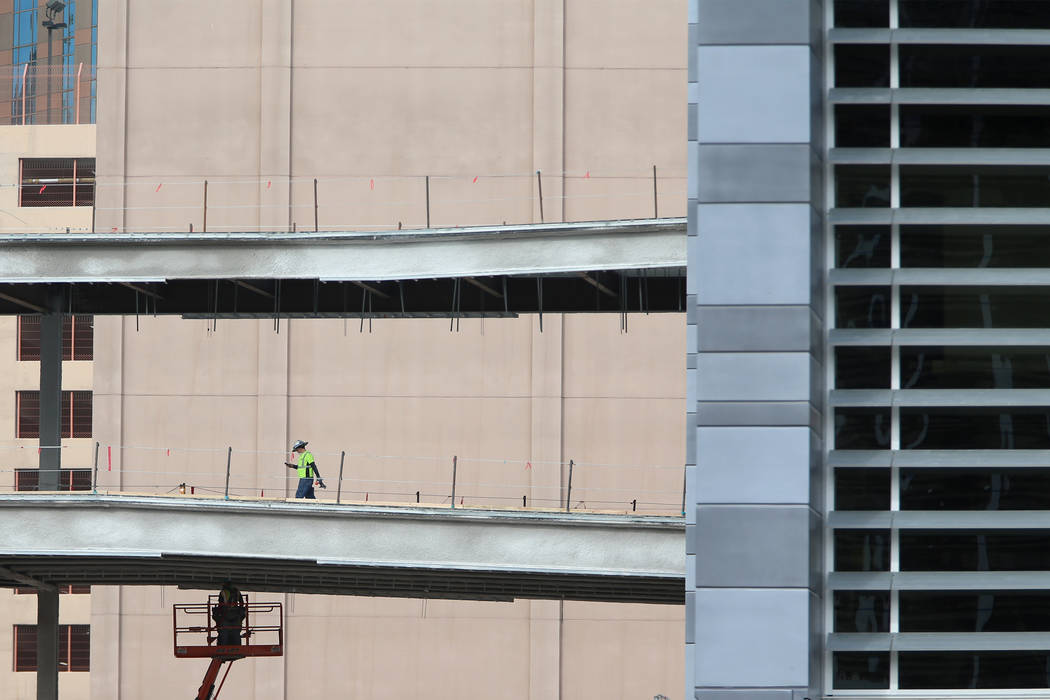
(306, 460)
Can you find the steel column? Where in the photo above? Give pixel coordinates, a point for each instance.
(47, 645)
(50, 459)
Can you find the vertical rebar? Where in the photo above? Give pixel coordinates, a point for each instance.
(315, 205)
(428, 200)
(539, 188)
(94, 479)
(656, 207)
(204, 227)
(454, 460)
(685, 475)
(229, 455)
(339, 484)
(568, 492)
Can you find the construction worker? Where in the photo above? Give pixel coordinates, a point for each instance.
(307, 469)
(228, 614)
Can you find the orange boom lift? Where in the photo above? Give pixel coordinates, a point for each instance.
(262, 632)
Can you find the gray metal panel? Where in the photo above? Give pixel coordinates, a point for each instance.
(859, 642)
(941, 96)
(940, 397)
(942, 215)
(860, 276)
(756, 413)
(741, 694)
(940, 336)
(741, 85)
(971, 458)
(942, 519)
(967, 581)
(958, 276)
(860, 458)
(441, 253)
(953, 35)
(753, 546)
(754, 328)
(860, 397)
(737, 626)
(754, 21)
(754, 464)
(941, 156)
(755, 173)
(930, 641)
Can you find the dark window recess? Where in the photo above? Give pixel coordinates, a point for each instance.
(74, 647)
(77, 337)
(975, 489)
(862, 550)
(862, 126)
(974, 186)
(862, 13)
(992, 14)
(57, 182)
(862, 186)
(975, 246)
(983, 550)
(862, 489)
(975, 368)
(75, 419)
(862, 368)
(979, 66)
(862, 611)
(974, 611)
(936, 126)
(862, 307)
(862, 246)
(24, 647)
(68, 480)
(975, 307)
(862, 65)
(984, 428)
(919, 670)
(859, 670)
(862, 428)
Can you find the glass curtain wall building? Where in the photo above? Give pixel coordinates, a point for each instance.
(929, 354)
(65, 71)
(939, 241)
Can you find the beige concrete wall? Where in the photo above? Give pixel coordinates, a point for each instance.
(21, 610)
(16, 142)
(371, 97)
(259, 99)
(581, 389)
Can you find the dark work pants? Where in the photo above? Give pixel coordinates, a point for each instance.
(306, 488)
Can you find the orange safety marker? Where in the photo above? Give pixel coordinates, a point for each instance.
(109, 458)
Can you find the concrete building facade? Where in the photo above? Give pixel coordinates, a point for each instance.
(370, 99)
(867, 479)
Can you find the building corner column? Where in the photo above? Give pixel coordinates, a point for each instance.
(755, 351)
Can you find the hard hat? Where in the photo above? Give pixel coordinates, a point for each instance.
(298, 444)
